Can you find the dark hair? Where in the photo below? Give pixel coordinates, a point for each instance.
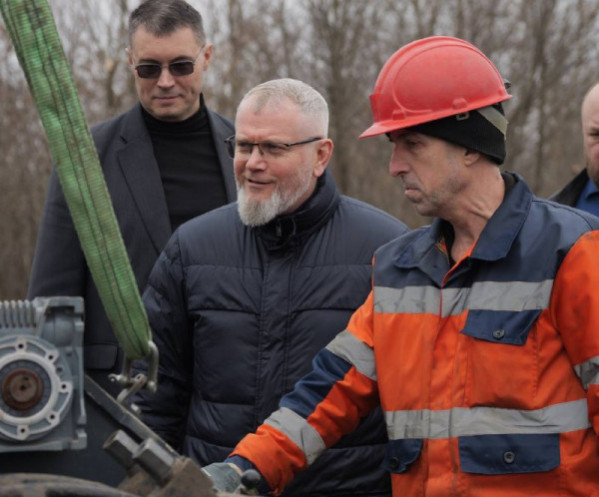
(163, 17)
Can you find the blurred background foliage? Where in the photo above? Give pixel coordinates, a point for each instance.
(547, 49)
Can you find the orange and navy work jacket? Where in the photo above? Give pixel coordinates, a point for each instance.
(487, 370)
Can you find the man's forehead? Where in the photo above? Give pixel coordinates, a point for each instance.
(590, 120)
(590, 106)
(182, 38)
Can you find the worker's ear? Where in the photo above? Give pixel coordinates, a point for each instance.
(470, 156)
(323, 156)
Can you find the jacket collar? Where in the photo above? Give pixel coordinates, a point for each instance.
(499, 234)
(291, 229)
(569, 194)
(142, 176)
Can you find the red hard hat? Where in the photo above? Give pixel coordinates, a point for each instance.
(433, 78)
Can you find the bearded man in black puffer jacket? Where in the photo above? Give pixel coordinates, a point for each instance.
(242, 298)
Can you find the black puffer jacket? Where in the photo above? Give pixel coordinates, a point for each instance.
(238, 314)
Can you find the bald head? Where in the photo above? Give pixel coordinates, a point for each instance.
(590, 131)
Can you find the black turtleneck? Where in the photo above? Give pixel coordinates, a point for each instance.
(189, 167)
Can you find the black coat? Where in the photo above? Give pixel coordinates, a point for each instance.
(133, 180)
(569, 194)
(238, 314)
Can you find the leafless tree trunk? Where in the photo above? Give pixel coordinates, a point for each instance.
(548, 49)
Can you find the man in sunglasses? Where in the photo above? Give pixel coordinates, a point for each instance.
(243, 297)
(164, 162)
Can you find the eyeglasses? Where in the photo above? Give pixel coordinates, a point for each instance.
(152, 70)
(244, 148)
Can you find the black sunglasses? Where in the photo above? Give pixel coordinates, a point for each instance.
(152, 70)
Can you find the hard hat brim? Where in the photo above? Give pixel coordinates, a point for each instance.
(387, 126)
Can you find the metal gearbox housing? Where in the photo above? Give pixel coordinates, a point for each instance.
(41, 375)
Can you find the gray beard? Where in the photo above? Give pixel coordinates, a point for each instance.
(258, 213)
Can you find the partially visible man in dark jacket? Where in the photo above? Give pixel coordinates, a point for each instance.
(242, 298)
(164, 162)
(582, 191)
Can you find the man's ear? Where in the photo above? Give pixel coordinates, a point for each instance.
(207, 56)
(324, 153)
(129, 57)
(470, 156)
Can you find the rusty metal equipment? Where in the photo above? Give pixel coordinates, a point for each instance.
(61, 434)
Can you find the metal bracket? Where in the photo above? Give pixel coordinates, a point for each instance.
(132, 385)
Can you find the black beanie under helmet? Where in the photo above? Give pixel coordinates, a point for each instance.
(474, 132)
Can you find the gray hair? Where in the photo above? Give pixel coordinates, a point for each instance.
(163, 17)
(303, 95)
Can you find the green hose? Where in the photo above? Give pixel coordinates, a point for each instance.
(31, 27)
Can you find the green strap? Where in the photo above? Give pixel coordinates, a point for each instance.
(31, 27)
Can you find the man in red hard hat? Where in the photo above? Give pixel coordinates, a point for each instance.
(479, 337)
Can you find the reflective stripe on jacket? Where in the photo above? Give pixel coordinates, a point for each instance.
(487, 371)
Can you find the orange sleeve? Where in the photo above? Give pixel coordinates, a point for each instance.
(575, 310)
(326, 404)
(276, 457)
(360, 324)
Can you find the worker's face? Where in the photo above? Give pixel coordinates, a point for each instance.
(269, 184)
(169, 97)
(590, 131)
(430, 170)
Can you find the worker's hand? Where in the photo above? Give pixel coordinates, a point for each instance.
(226, 477)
